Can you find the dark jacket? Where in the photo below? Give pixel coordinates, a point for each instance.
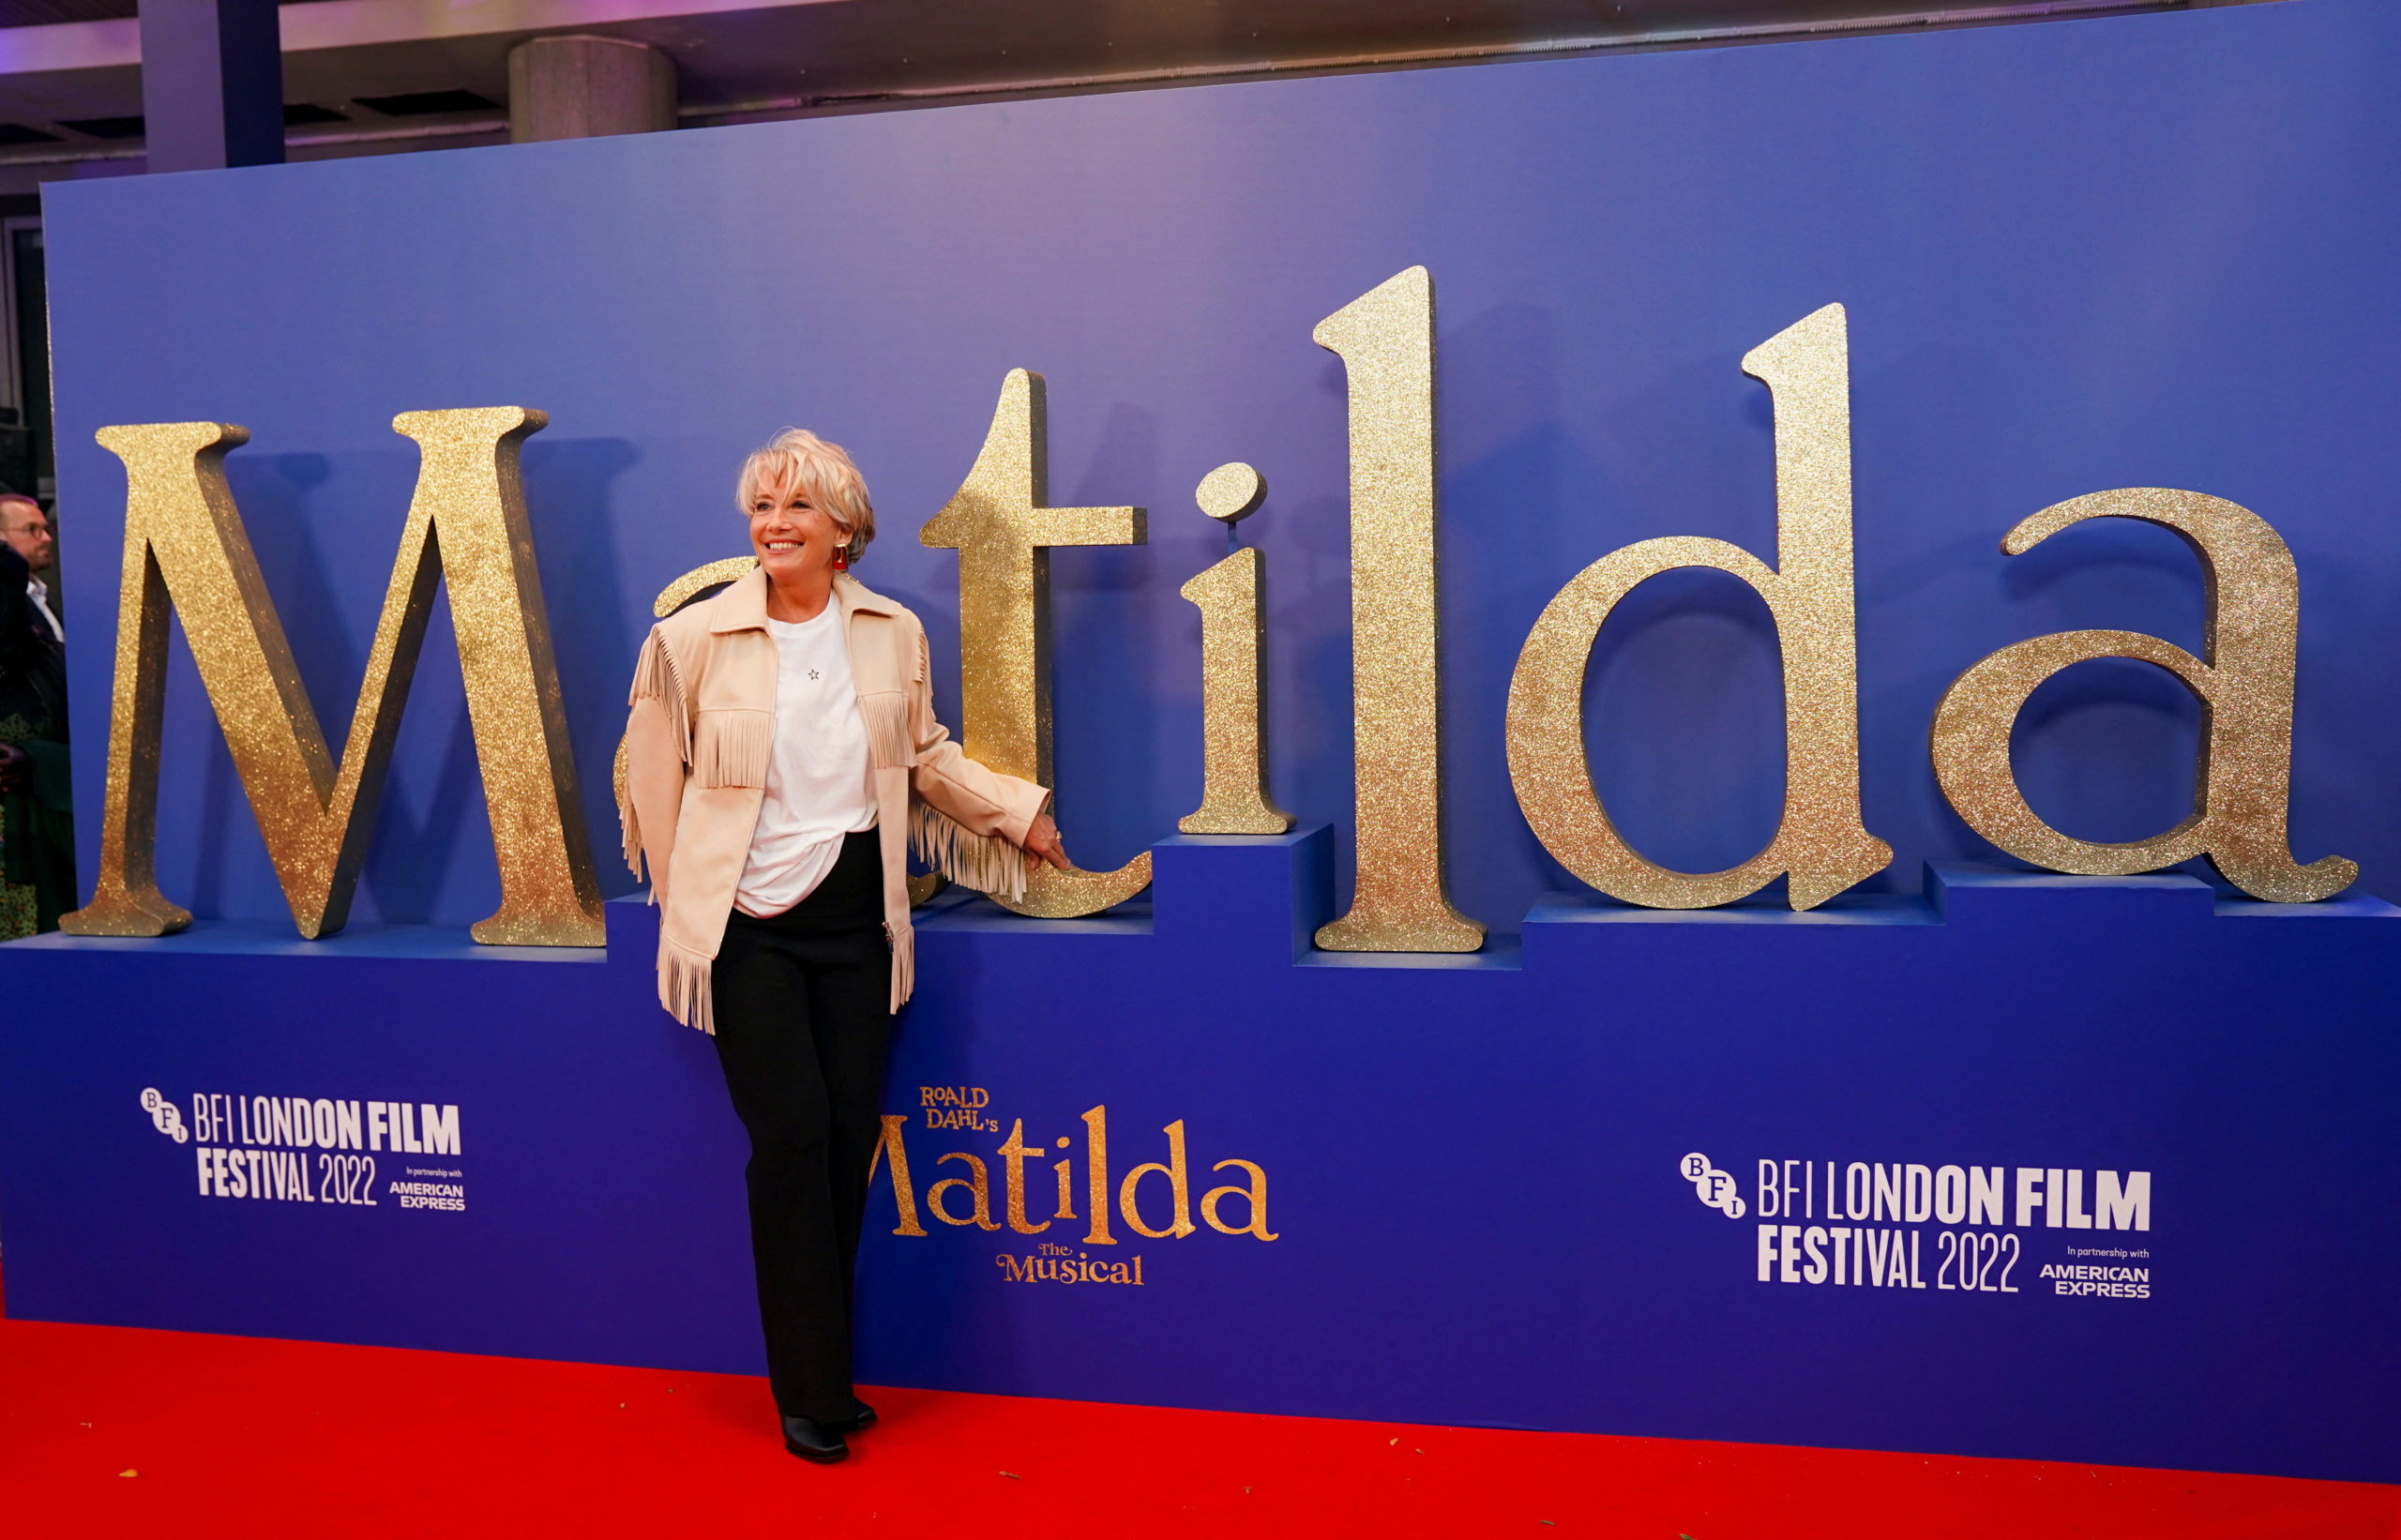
(37, 821)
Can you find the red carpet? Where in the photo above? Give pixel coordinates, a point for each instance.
(107, 1431)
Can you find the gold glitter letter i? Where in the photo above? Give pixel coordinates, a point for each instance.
(1001, 523)
(1385, 339)
(2244, 678)
(1819, 841)
(1233, 755)
(184, 538)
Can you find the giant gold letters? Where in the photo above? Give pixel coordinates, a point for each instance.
(1819, 841)
(1385, 339)
(2243, 678)
(1002, 527)
(185, 545)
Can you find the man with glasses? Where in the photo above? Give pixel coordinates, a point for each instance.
(27, 530)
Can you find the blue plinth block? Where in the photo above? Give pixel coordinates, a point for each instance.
(2122, 1160)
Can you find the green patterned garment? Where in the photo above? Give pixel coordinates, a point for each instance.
(38, 819)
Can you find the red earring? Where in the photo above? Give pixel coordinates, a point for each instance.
(842, 559)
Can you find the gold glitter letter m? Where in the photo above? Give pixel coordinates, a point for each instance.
(466, 523)
(1820, 841)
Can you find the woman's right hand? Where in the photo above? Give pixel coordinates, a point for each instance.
(1042, 843)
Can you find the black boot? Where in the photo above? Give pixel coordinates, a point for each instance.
(862, 1416)
(813, 1441)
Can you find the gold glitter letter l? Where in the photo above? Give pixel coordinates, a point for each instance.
(1385, 339)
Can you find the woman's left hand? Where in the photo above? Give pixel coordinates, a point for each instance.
(1042, 844)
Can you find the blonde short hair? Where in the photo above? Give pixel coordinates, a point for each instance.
(797, 458)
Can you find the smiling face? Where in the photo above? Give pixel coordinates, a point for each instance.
(793, 538)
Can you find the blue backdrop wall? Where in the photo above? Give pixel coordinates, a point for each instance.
(2144, 251)
(2148, 252)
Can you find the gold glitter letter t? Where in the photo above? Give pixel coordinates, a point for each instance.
(1000, 524)
(466, 523)
(1819, 841)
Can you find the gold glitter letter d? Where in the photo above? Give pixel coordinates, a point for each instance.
(184, 538)
(1002, 527)
(1385, 339)
(1819, 841)
(2245, 679)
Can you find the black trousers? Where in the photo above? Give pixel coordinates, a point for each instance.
(804, 1021)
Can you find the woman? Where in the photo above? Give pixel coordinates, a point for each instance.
(781, 749)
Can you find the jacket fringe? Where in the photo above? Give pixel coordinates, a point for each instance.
(732, 747)
(987, 863)
(684, 987)
(887, 729)
(627, 823)
(656, 679)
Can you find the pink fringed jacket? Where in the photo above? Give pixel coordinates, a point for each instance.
(697, 739)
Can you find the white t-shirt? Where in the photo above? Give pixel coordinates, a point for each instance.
(817, 788)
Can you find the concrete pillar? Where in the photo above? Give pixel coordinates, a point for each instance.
(212, 83)
(576, 87)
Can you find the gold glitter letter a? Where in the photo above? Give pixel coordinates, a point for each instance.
(184, 538)
(1819, 841)
(2244, 680)
(1002, 527)
(1385, 339)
